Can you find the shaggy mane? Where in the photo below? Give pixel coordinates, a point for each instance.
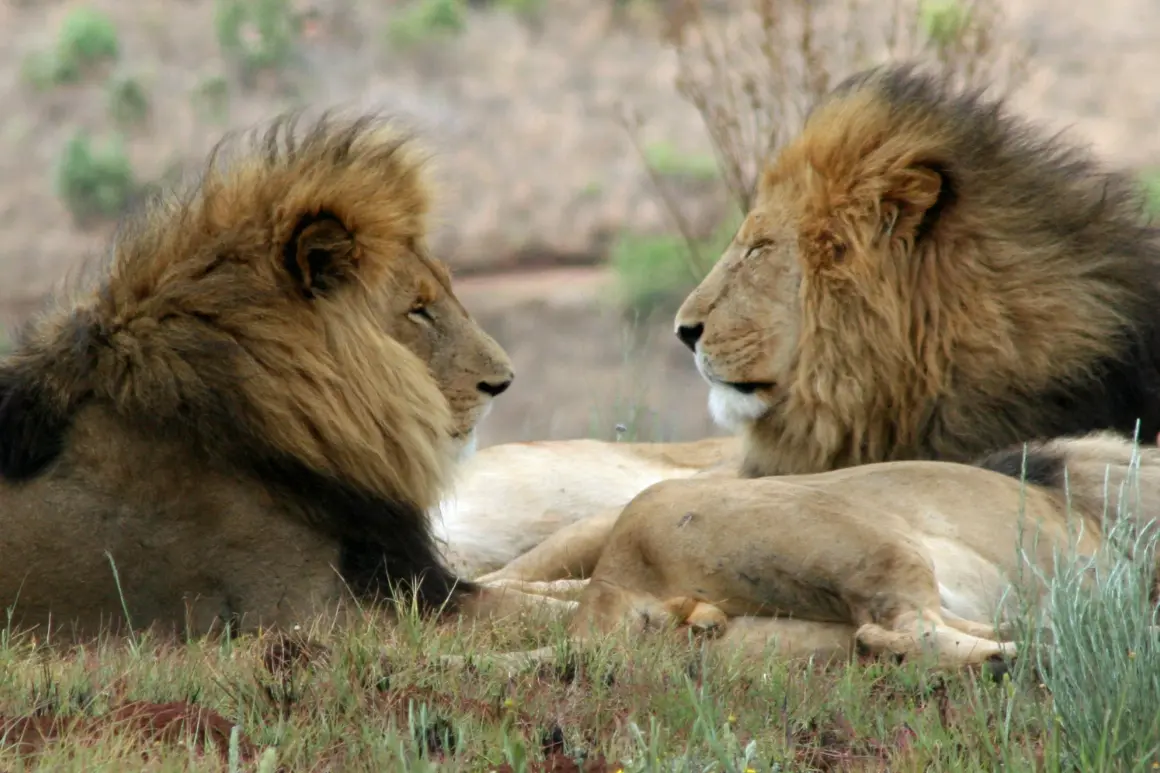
(995, 286)
(240, 320)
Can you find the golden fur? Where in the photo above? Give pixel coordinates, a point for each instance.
(905, 558)
(922, 276)
(554, 498)
(265, 389)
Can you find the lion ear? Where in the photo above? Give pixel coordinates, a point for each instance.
(911, 200)
(32, 429)
(321, 254)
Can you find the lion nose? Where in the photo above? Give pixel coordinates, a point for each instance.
(494, 388)
(690, 335)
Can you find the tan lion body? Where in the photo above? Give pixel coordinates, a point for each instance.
(249, 415)
(512, 497)
(902, 557)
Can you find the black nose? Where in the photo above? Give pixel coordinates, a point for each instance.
(494, 388)
(690, 335)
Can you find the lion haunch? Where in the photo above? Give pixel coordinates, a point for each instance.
(250, 413)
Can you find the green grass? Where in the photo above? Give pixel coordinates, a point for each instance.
(379, 698)
(1096, 648)
(86, 39)
(95, 180)
(426, 20)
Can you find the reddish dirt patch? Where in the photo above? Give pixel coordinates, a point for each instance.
(149, 722)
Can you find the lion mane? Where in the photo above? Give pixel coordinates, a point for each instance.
(925, 276)
(240, 323)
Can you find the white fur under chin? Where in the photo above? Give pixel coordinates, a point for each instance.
(467, 448)
(732, 410)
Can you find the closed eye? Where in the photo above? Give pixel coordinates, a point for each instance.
(420, 313)
(756, 248)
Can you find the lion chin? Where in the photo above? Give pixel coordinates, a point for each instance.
(733, 410)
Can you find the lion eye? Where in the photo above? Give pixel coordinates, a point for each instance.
(420, 311)
(756, 248)
(839, 252)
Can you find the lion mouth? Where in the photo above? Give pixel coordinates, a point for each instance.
(748, 387)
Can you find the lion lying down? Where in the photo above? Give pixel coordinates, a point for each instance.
(898, 557)
(248, 417)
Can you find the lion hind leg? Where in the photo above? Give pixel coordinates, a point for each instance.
(930, 634)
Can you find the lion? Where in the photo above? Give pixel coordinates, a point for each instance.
(909, 558)
(922, 276)
(248, 415)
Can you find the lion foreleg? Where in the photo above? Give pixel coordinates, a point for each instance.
(571, 552)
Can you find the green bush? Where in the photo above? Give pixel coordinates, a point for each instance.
(211, 99)
(666, 159)
(1151, 183)
(522, 8)
(95, 181)
(654, 273)
(87, 37)
(425, 20)
(1096, 649)
(943, 20)
(128, 100)
(258, 34)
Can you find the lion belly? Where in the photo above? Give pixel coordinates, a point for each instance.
(511, 497)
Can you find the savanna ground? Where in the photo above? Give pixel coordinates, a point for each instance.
(642, 120)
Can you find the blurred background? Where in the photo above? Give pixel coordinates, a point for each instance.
(592, 155)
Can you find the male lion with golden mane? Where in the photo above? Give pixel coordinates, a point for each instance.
(922, 277)
(250, 414)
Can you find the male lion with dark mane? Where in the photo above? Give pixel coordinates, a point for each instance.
(922, 277)
(249, 416)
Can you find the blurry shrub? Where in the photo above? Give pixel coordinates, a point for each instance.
(426, 19)
(668, 160)
(95, 180)
(128, 100)
(655, 273)
(256, 34)
(1151, 182)
(87, 37)
(525, 9)
(211, 99)
(943, 20)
